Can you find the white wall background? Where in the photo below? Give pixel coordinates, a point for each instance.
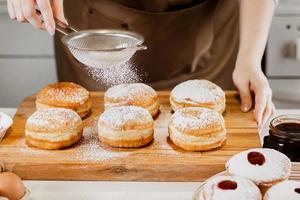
(26, 60)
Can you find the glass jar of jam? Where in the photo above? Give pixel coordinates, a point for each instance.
(284, 136)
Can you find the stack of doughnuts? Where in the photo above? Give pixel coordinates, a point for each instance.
(197, 124)
(127, 120)
(65, 95)
(57, 122)
(263, 171)
(198, 93)
(197, 129)
(125, 126)
(53, 128)
(134, 94)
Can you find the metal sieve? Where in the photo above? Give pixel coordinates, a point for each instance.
(100, 48)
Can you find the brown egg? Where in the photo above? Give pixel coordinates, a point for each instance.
(11, 186)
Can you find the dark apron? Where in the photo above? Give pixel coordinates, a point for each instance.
(186, 39)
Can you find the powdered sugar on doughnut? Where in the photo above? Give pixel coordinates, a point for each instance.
(276, 167)
(195, 118)
(64, 92)
(119, 116)
(54, 118)
(245, 189)
(76, 96)
(288, 190)
(130, 92)
(87, 150)
(197, 91)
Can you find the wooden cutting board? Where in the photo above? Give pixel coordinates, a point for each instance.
(91, 160)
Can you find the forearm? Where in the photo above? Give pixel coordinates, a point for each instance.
(255, 20)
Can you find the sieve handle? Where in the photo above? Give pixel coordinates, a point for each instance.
(141, 47)
(64, 28)
(60, 26)
(136, 48)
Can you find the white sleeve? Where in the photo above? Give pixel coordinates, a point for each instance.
(276, 2)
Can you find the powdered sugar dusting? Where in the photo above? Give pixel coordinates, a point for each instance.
(130, 92)
(64, 92)
(277, 166)
(54, 118)
(114, 75)
(119, 116)
(197, 91)
(284, 190)
(195, 118)
(88, 149)
(245, 189)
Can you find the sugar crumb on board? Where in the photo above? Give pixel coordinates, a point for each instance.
(87, 150)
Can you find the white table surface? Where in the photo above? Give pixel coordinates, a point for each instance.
(79, 190)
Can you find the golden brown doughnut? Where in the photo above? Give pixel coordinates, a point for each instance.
(125, 126)
(53, 128)
(65, 95)
(198, 93)
(135, 94)
(197, 129)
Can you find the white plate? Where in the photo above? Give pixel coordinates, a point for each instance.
(5, 123)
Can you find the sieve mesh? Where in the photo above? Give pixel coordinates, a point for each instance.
(99, 48)
(103, 48)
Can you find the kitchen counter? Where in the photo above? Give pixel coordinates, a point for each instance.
(77, 190)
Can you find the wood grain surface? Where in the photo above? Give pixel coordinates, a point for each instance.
(159, 161)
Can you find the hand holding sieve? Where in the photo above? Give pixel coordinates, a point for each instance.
(100, 47)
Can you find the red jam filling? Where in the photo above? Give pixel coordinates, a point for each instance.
(297, 190)
(256, 158)
(227, 185)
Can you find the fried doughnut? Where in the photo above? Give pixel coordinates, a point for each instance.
(65, 95)
(125, 126)
(289, 190)
(198, 93)
(135, 94)
(265, 167)
(229, 187)
(197, 129)
(53, 128)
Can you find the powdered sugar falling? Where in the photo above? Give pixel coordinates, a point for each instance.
(114, 75)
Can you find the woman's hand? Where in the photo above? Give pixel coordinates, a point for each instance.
(251, 80)
(255, 20)
(25, 11)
